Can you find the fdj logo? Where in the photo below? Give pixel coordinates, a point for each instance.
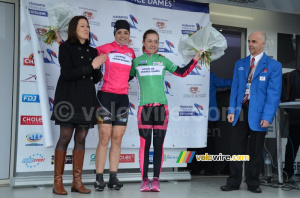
(30, 98)
(197, 71)
(131, 106)
(168, 87)
(93, 39)
(51, 54)
(33, 161)
(170, 45)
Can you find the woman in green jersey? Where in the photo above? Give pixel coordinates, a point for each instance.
(153, 112)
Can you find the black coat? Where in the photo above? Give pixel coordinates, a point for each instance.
(75, 96)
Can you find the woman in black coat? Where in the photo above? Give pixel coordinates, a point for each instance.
(75, 100)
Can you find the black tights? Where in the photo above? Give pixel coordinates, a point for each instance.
(158, 141)
(66, 134)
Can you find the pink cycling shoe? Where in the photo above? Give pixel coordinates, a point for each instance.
(155, 185)
(145, 187)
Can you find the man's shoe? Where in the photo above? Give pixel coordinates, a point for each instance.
(256, 190)
(287, 177)
(227, 187)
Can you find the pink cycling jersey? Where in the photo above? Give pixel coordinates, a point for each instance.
(116, 68)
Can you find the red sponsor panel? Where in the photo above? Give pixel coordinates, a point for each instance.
(31, 120)
(127, 158)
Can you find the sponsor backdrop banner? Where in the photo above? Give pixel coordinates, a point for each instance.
(39, 71)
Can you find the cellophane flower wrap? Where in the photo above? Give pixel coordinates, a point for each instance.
(209, 39)
(59, 15)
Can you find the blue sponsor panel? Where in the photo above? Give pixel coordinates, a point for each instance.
(171, 4)
(187, 113)
(162, 50)
(30, 98)
(188, 31)
(38, 9)
(151, 154)
(38, 13)
(188, 110)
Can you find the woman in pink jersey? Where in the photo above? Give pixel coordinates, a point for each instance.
(113, 103)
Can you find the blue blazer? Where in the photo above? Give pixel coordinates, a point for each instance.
(265, 91)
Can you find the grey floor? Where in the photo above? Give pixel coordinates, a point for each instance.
(197, 187)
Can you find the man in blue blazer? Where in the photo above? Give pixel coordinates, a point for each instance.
(254, 99)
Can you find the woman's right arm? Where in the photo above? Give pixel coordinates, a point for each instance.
(58, 38)
(132, 70)
(68, 70)
(99, 60)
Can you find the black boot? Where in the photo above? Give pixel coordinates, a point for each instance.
(114, 182)
(99, 183)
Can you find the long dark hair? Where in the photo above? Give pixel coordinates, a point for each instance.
(150, 31)
(72, 36)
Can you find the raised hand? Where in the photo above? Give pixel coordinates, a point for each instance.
(198, 55)
(58, 38)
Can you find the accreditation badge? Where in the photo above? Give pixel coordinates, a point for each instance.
(248, 88)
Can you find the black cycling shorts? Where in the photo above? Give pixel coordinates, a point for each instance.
(113, 108)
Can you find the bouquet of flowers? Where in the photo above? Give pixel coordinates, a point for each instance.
(207, 38)
(59, 15)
